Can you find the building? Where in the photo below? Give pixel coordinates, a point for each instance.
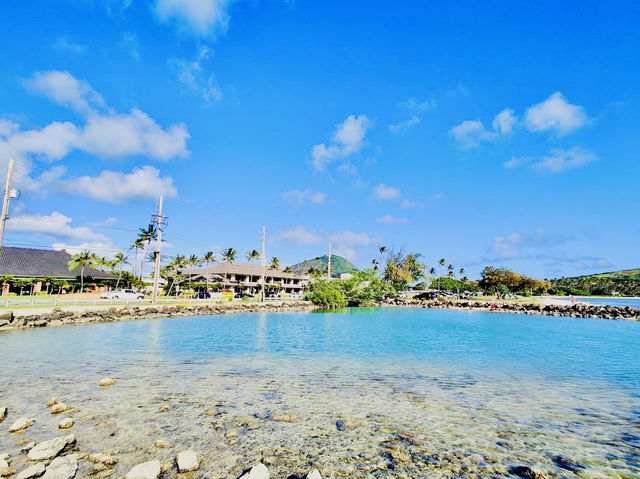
(23, 263)
(246, 278)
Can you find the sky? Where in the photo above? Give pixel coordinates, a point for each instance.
(487, 133)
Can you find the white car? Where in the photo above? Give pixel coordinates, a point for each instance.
(122, 294)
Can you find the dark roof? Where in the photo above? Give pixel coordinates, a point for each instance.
(36, 263)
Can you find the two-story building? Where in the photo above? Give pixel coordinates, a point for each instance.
(246, 278)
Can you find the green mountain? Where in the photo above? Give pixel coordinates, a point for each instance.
(339, 265)
(622, 283)
(625, 274)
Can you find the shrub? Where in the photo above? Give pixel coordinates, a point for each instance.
(328, 294)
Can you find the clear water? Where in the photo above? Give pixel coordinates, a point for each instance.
(432, 393)
(633, 302)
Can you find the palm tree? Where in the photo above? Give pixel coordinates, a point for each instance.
(382, 250)
(119, 260)
(432, 274)
(135, 246)
(228, 255)
(48, 281)
(288, 269)
(450, 271)
(442, 262)
(208, 258)
(145, 236)
(82, 260)
(172, 270)
(275, 263)
(6, 279)
(251, 255)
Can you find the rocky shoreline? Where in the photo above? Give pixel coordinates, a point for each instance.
(575, 310)
(59, 317)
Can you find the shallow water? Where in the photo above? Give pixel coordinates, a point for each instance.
(434, 393)
(633, 302)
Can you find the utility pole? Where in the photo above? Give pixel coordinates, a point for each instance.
(329, 263)
(264, 260)
(160, 221)
(5, 202)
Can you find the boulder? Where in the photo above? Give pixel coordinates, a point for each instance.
(64, 467)
(257, 472)
(161, 444)
(59, 408)
(32, 471)
(107, 382)
(52, 401)
(106, 459)
(66, 423)
(3, 412)
(50, 448)
(346, 424)
(187, 461)
(146, 470)
(285, 417)
(527, 472)
(21, 424)
(28, 446)
(314, 474)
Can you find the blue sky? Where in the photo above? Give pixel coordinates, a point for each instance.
(487, 133)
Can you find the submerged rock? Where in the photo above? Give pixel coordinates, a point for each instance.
(66, 423)
(62, 468)
(285, 417)
(187, 461)
(314, 474)
(21, 424)
(566, 463)
(50, 448)
(52, 402)
(3, 412)
(527, 472)
(257, 472)
(346, 424)
(32, 471)
(146, 470)
(28, 446)
(107, 382)
(58, 408)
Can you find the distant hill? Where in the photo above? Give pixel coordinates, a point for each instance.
(625, 274)
(339, 265)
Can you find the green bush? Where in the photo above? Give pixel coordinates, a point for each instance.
(328, 294)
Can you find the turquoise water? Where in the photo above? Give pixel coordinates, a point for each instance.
(433, 393)
(633, 302)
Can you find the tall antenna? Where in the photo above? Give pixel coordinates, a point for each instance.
(160, 221)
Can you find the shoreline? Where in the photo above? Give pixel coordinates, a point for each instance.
(9, 321)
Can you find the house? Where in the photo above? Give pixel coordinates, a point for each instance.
(246, 278)
(23, 263)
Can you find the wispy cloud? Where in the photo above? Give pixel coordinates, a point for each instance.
(392, 220)
(404, 125)
(557, 161)
(299, 197)
(130, 43)
(557, 114)
(383, 192)
(348, 139)
(63, 44)
(200, 17)
(191, 73)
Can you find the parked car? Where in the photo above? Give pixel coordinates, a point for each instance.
(122, 294)
(243, 295)
(201, 296)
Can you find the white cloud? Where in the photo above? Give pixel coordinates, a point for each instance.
(383, 192)
(506, 247)
(8, 127)
(301, 235)
(404, 125)
(515, 162)
(347, 140)
(504, 121)
(191, 74)
(64, 89)
(562, 160)
(348, 169)
(470, 133)
(130, 43)
(203, 17)
(392, 220)
(346, 243)
(101, 248)
(555, 113)
(413, 104)
(299, 197)
(117, 187)
(510, 246)
(55, 224)
(63, 44)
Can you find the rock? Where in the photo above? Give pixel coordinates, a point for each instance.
(346, 424)
(314, 474)
(3, 412)
(3, 463)
(21, 424)
(64, 467)
(66, 423)
(564, 462)
(58, 408)
(527, 472)
(107, 382)
(285, 417)
(6, 471)
(105, 459)
(32, 471)
(210, 412)
(50, 448)
(52, 401)
(257, 472)
(4, 456)
(187, 461)
(161, 444)
(28, 446)
(146, 470)
(166, 407)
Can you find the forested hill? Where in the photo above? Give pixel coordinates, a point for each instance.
(624, 283)
(339, 265)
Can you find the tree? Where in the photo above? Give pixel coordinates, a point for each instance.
(145, 236)
(328, 294)
(82, 260)
(500, 281)
(442, 262)
(251, 255)
(208, 258)
(228, 255)
(450, 271)
(402, 269)
(382, 250)
(135, 246)
(171, 271)
(47, 282)
(275, 263)
(119, 260)
(7, 279)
